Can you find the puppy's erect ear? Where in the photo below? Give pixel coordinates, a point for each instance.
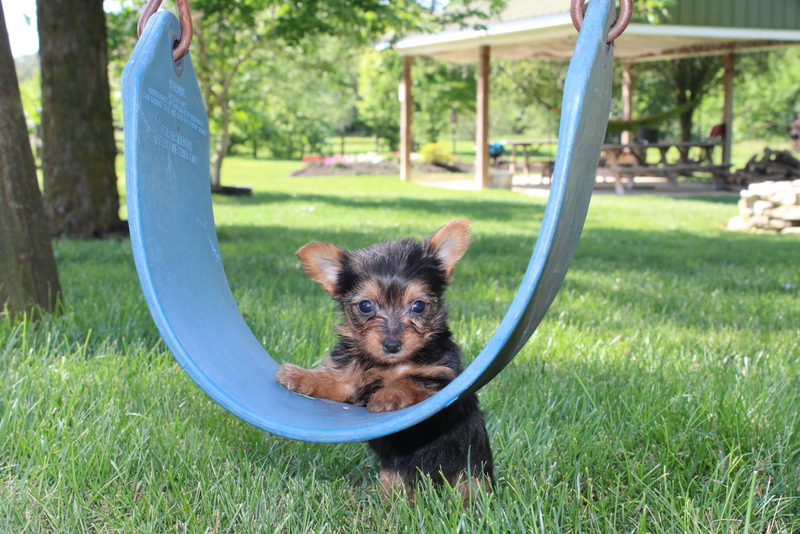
(322, 262)
(449, 243)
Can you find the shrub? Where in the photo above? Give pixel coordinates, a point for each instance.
(435, 153)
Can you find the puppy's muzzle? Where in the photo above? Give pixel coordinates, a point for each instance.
(391, 345)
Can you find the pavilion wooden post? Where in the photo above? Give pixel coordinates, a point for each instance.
(627, 100)
(482, 125)
(405, 120)
(727, 111)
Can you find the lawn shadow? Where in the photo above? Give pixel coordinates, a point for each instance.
(468, 206)
(729, 200)
(670, 277)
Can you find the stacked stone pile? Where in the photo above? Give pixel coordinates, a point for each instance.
(772, 207)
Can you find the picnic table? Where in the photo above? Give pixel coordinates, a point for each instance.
(534, 145)
(631, 160)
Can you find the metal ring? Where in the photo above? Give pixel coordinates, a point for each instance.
(624, 17)
(186, 24)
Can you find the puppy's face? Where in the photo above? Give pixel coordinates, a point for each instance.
(390, 320)
(391, 292)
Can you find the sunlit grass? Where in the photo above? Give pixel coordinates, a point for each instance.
(660, 394)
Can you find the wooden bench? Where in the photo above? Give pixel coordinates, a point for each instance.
(630, 160)
(528, 148)
(671, 172)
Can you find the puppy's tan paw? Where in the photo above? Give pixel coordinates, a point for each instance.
(294, 378)
(393, 485)
(389, 399)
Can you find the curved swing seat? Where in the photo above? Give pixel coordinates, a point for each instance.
(181, 273)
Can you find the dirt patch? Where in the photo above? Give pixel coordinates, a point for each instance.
(383, 168)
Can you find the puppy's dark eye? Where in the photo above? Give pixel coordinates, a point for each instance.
(418, 306)
(365, 307)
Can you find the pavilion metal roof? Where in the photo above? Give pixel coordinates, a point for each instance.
(543, 29)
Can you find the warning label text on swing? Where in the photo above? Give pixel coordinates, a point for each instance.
(176, 144)
(176, 107)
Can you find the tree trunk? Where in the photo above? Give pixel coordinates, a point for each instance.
(693, 78)
(80, 181)
(215, 78)
(683, 82)
(223, 142)
(686, 119)
(28, 275)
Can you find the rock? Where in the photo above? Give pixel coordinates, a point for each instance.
(748, 198)
(761, 206)
(769, 207)
(782, 194)
(762, 188)
(787, 213)
(738, 224)
(786, 198)
(779, 224)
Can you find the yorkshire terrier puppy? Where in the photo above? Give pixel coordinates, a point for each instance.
(394, 350)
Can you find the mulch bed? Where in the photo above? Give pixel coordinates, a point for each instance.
(381, 169)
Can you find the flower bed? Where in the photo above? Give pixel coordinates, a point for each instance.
(369, 163)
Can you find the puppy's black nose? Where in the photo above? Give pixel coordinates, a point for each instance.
(392, 345)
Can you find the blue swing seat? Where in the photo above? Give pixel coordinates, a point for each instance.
(180, 269)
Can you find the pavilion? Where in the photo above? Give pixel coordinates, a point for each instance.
(543, 29)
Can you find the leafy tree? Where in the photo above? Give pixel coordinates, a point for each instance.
(121, 30)
(664, 86)
(28, 275)
(652, 11)
(767, 92)
(31, 93)
(230, 37)
(693, 78)
(30, 88)
(532, 81)
(378, 105)
(233, 40)
(249, 125)
(439, 88)
(78, 157)
(293, 102)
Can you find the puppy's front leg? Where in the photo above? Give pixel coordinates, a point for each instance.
(406, 386)
(323, 382)
(396, 395)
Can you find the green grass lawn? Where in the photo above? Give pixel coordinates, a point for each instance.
(660, 394)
